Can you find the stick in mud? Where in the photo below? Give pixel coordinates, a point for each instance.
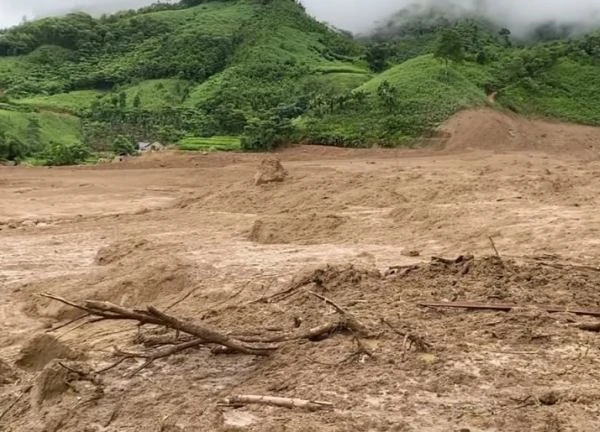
(290, 403)
(507, 307)
(494, 247)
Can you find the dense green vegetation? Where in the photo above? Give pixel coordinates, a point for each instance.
(250, 74)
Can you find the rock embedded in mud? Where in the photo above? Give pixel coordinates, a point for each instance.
(41, 350)
(270, 171)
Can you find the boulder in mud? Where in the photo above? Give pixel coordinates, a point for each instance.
(270, 171)
(41, 350)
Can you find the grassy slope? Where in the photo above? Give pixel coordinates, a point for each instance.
(567, 92)
(55, 127)
(73, 102)
(280, 35)
(157, 93)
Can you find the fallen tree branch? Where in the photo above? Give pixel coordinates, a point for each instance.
(209, 335)
(159, 353)
(111, 311)
(314, 334)
(507, 307)
(72, 321)
(282, 295)
(241, 400)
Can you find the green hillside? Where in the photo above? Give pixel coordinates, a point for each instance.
(394, 106)
(226, 74)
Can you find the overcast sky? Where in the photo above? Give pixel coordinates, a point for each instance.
(355, 15)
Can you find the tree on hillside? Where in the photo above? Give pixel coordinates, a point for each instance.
(449, 48)
(388, 94)
(11, 148)
(377, 56)
(505, 33)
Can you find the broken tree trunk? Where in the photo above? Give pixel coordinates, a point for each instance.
(276, 401)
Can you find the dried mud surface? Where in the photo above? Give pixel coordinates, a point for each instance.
(197, 235)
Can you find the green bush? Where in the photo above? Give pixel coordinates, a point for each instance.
(11, 148)
(123, 146)
(262, 134)
(66, 154)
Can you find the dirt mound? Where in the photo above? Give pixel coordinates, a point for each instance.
(492, 278)
(41, 350)
(132, 274)
(333, 277)
(488, 129)
(310, 229)
(119, 250)
(50, 383)
(270, 171)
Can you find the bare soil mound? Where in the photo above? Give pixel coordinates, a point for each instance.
(488, 129)
(129, 273)
(310, 229)
(335, 276)
(270, 171)
(119, 250)
(41, 350)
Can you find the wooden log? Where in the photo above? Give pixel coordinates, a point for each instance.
(276, 401)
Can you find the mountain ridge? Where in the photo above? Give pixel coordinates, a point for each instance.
(266, 72)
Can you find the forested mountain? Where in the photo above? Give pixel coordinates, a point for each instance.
(259, 72)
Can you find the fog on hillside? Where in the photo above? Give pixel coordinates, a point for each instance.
(355, 15)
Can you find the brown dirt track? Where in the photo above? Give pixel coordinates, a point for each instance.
(151, 230)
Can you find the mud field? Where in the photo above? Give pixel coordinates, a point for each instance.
(202, 238)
